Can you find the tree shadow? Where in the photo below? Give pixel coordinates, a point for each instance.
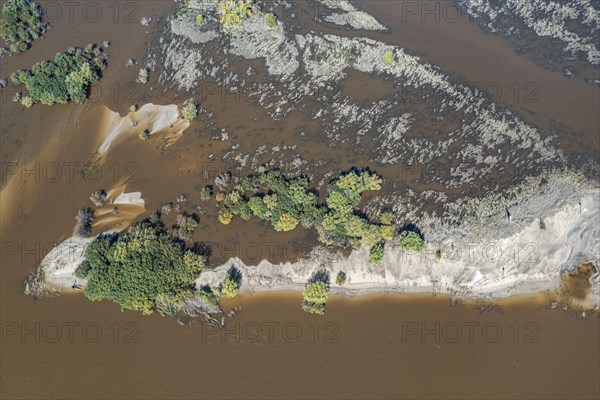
(320, 276)
(235, 275)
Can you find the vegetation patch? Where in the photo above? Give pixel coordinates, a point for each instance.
(21, 24)
(316, 293)
(146, 268)
(270, 20)
(232, 282)
(66, 79)
(287, 202)
(84, 218)
(143, 75)
(190, 111)
(340, 279)
(233, 12)
(388, 58)
(98, 198)
(411, 240)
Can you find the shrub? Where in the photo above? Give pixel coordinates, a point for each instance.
(205, 193)
(315, 297)
(190, 111)
(21, 24)
(225, 217)
(145, 135)
(386, 218)
(141, 269)
(193, 261)
(286, 223)
(233, 12)
(542, 225)
(66, 79)
(376, 255)
(199, 18)
(27, 101)
(143, 75)
(270, 20)
(166, 209)
(231, 283)
(229, 288)
(185, 226)
(340, 279)
(98, 198)
(85, 218)
(168, 304)
(388, 58)
(410, 240)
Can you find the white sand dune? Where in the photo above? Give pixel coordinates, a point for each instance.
(151, 117)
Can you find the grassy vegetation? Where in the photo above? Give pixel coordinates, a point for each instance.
(66, 79)
(235, 11)
(21, 24)
(287, 202)
(146, 268)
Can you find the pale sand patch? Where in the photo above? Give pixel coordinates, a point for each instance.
(61, 262)
(151, 117)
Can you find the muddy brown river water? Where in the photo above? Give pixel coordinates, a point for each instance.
(369, 347)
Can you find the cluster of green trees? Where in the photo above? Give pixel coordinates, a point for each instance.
(146, 268)
(66, 79)
(287, 202)
(21, 24)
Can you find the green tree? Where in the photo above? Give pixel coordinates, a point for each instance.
(229, 287)
(388, 58)
(315, 297)
(410, 240)
(270, 20)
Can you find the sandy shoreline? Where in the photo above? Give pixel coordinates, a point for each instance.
(514, 257)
